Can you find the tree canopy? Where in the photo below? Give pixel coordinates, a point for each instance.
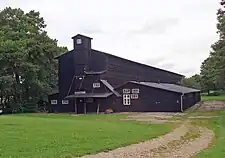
(212, 75)
(213, 68)
(28, 70)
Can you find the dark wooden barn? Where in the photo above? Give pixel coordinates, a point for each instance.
(155, 97)
(93, 81)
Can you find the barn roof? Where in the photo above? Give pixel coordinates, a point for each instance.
(81, 36)
(107, 54)
(89, 95)
(110, 88)
(135, 62)
(168, 87)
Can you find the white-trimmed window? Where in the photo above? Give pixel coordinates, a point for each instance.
(96, 85)
(126, 90)
(65, 101)
(134, 96)
(79, 41)
(126, 99)
(54, 101)
(136, 90)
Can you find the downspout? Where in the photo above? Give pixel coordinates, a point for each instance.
(181, 102)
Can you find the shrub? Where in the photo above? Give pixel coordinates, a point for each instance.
(215, 93)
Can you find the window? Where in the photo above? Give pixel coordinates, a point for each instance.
(135, 90)
(65, 101)
(53, 101)
(96, 85)
(79, 41)
(134, 96)
(89, 100)
(126, 90)
(126, 99)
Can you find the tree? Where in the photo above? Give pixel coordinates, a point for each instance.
(213, 68)
(28, 70)
(192, 82)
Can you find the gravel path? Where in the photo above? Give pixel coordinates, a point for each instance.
(141, 149)
(191, 148)
(157, 148)
(171, 145)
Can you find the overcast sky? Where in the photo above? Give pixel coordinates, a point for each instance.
(170, 34)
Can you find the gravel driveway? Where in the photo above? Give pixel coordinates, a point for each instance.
(161, 147)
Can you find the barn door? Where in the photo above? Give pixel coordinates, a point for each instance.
(80, 105)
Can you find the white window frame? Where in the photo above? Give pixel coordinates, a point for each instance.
(126, 91)
(135, 90)
(54, 102)
(134, 96)
(126, 99)
(79, 41)
(65, 102)
(96, 85)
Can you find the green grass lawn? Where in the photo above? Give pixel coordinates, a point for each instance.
(51, 136)
(219, 98)
(216, 149)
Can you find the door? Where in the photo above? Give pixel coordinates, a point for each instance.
(92, 105)
(80, 105)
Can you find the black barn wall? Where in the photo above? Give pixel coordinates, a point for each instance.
(121, 70)
(190, 99)
(150, 100)
(66, 73)
(53, 108)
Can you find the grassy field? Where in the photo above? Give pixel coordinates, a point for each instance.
(217, 125)
(51, 136)
(217, 148)
(219, 98)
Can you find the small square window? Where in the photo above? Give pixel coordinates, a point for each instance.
(126, 90)
(134, 96)
(65, 101)
(136, 90)
(96, 85)
(53, 101)
(79, 41)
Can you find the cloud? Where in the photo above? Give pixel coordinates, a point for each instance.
(175, 36)
(189, 71)
(91, 29)
(167, 66)
(157, 26)
(153, 61)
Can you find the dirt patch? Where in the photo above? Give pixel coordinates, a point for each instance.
(212, 105)
(202, 117)
(155, 117)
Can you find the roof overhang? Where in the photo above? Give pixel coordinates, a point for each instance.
(89, 95)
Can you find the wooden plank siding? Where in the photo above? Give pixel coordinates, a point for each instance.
(75, 64)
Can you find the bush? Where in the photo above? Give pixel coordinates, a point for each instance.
(215, 93)
(204, 94)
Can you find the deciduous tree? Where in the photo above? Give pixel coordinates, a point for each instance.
(28, 70)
